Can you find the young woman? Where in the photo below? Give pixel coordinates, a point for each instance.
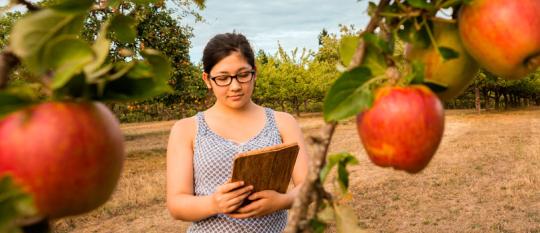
(201, 149)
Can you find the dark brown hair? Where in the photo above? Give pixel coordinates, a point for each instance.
(222, 45)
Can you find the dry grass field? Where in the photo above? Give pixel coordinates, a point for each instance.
(485, 177)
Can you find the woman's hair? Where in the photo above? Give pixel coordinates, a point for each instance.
(222, 45)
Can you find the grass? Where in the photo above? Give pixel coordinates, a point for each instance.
(485, 177)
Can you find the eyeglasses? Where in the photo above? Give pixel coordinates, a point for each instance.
(226, 80)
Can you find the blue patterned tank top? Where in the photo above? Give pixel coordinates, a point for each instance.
(212, 164)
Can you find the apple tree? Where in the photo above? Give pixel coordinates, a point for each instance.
(400, 121)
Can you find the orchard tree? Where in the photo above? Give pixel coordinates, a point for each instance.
(51, 136)
(400, 121)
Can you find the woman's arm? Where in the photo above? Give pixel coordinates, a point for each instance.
(181, 202)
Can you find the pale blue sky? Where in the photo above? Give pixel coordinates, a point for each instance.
(294, 23)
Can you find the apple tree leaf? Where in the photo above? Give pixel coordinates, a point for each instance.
(436, 86)
(347, 48)
(410, 34)
(142, 80)
(13, 101)
(67, 55)
(14, 204)
(73, 6)
(30, 35)
(341, 160)
(347, 95)
(448, 53)
(378, 43)
(422, 4)
(101, 50)
(346, 220)
(123, 28)
(417, 74)
(317, 226)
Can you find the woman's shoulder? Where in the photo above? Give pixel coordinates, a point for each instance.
(284, 119)
(185, 125)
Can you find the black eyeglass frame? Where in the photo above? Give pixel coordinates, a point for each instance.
(252, 72)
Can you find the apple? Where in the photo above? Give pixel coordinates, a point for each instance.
(403, 128)
(456, 74)
(67, 155)
(502, 35)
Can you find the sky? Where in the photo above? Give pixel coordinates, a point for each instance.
(292, 23)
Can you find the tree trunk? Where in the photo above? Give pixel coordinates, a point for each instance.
(506, 100)
(485, 92)
(477, 98)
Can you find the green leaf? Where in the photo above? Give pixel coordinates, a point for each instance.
(332, 161)
(317, 226)
(14, 204)
(74, 6)
(67, 55)
(31, 34)
(372, 8)
(123, 28)
(448, 53)
(139, 80)
(326, 213)
(347, 48)
(161, 66)
(346, 220)
(340, 159)
(436, 86)
(348, 96)
(374, 60)
(377, 42)
(417, 74)
(409, 34)
(343, 178)
(422, 4)
(101, 49)
(10, 102)
(114, 3)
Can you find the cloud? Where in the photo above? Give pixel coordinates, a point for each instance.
(294, 23)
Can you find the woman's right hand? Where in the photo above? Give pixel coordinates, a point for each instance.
(229, 196)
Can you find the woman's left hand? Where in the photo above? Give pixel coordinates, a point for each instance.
(264, 202)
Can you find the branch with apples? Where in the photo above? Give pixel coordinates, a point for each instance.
(62, 149)
(396, 98)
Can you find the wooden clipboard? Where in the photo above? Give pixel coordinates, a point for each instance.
(268, 168)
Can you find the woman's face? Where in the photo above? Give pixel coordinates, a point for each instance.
(238, 92)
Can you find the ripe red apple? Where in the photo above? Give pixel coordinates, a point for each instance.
(67, 155)
(403, 128)
(502, 35)
(457, 74)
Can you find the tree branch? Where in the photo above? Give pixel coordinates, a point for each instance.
(298, 221)
(8, 61)
(28, 5)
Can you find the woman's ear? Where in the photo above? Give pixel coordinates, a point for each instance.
(206, 80)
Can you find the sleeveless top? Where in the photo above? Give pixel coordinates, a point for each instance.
(212, 165)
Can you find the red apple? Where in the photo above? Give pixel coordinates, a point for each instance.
(67, 155)
(502, 35)
(403, 128)
(457, 73)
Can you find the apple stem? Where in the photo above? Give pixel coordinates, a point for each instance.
(42, 226)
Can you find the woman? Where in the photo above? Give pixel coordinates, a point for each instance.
(201, 149)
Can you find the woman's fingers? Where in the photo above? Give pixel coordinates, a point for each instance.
(225, 188)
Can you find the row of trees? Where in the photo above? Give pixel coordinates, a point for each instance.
(294, 81)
